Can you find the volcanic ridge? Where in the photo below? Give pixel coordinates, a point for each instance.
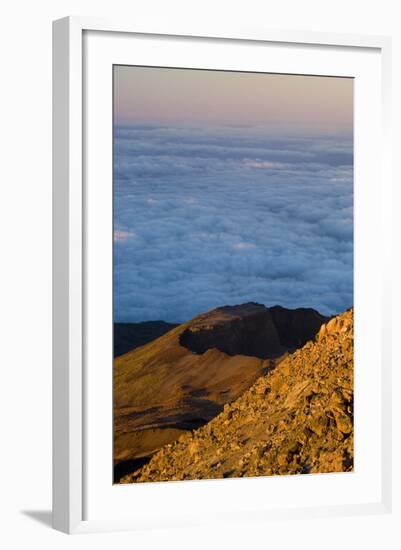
(295, 419)
(184, 381)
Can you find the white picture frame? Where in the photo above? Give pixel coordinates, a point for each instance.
(71, 257)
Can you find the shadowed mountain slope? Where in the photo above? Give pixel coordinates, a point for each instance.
(295, 327)
(128, 336)
(182, 379)
(296, 419)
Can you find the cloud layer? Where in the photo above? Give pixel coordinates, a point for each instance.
(205, 217)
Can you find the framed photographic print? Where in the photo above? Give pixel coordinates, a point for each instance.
(220, 256)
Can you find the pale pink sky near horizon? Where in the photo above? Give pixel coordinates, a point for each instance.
(152, 94)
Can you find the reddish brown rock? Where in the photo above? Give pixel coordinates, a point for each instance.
(296, 419)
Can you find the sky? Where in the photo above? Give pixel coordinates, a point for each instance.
(229, 188)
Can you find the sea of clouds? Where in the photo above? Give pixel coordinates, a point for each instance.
(205, 217)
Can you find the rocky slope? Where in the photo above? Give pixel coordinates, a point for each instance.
(182, 380)
(296, 419)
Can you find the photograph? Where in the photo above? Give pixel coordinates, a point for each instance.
(233, 271)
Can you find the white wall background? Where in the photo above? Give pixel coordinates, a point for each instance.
(25, 218)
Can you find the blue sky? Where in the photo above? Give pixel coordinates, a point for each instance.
(209, 213)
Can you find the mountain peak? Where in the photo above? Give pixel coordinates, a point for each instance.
(251, 329)
(239, 310)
